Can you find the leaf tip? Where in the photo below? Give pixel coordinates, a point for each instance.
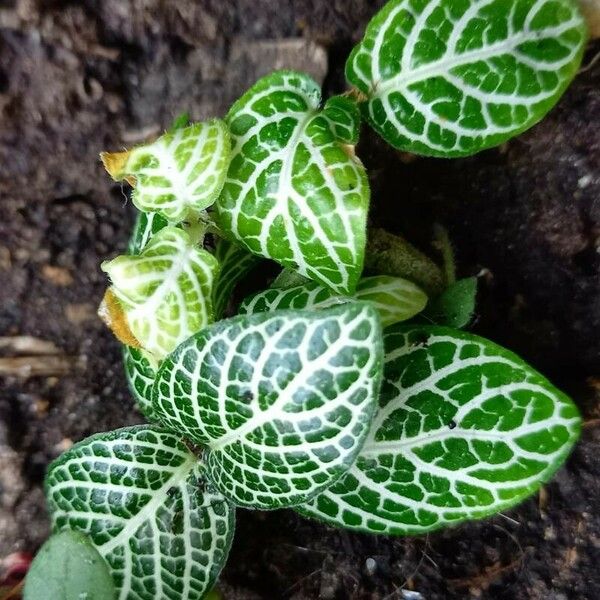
(113, 315)
(115, 164)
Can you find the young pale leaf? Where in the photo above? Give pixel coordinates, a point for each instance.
(140, 495)
(68, 567)
(450, 78)
(394, 298)
(465, 429)
(295, 192)
(165, 291)
(455, 306)
(283, 400)
(181, 171)
(140, 376)
(146, 225)
(235, 263)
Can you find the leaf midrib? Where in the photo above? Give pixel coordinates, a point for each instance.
(439, 67)
(158, 498)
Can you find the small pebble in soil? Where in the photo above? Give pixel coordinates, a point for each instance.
(370, 566)
(409, 595)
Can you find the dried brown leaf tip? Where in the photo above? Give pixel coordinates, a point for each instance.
(115, 163)
(112, 313)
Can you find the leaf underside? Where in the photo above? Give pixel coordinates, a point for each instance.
(294, 191)
(395, 299)
(452, 77)
(465, 429)
(282, 400)
(139, 494)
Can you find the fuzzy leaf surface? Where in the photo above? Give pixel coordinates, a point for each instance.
(282, 400)
(452, 77)
(295, 192)
(140, 496)
(166, 291)
(182, 171)
(464, 429)
(395, 299)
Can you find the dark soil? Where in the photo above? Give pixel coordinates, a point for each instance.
(80, 77)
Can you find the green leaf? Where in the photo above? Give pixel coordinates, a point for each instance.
(288, 278)
(456, 305)
(389, 254)
(235, 263)
(394, 298)
(146, 225)
(282, 400)
(140, 495)
(465, 429)
(140, 376)
(295, 192)
(165, 291)
(450, 78)
(68, 567)
(182, 172)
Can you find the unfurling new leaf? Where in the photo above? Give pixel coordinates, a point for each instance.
(179, 174)
(282, 400)
(165, 291)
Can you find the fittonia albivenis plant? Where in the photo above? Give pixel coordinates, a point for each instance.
(327, 392)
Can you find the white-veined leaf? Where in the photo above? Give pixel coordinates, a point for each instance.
(282, 400)
(146, 225)
(294, 191)
(235, 263)
(141, 497)
(140, 375)
(395, 299)
(166, 291)
(182, 171)
(452, 77)
(465, 429)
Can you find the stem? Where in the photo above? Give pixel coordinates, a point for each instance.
(392, 255)
(443, 244)
(197, 225)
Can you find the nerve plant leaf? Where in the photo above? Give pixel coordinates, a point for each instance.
(181, 171)
(447, 78)
(140, 376)
(394, 298)
(282, 400)
(140, 496)
(465, 429)
(294, 191)
(68, 567)
(165, 291)
(146, 225)
(235, 263)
